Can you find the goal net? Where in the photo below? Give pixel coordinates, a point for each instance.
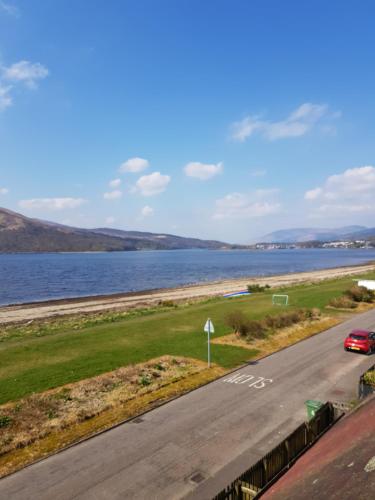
(280, 300)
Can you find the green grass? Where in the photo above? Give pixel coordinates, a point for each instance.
(31, 363)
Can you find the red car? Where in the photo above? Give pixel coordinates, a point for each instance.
(360, 340)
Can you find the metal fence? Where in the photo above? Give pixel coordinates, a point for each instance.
(267, 469)
(365, 389)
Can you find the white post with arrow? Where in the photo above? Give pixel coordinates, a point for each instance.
(209, 328)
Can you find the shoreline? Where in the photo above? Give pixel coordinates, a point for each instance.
(26, 312)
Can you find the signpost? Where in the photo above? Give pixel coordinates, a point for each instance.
(209, 328)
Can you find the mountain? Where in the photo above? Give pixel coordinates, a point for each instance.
(169, 241)
(299, 235)
(23, 234)
(364, 234)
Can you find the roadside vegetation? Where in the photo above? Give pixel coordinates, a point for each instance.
(352, 297)
(250, 329)
(36, 416)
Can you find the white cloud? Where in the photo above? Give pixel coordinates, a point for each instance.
(4, 190)
(298, 123)
(113, 195)
(25, 72)
(115, 183)
(5, 97)
(9, 8)
(147, 211)
(150, 185)
(349, 192)
(203, 171)
(313, 194)
(246, 206)
(110, 220)
(52, 203)
(134, 165)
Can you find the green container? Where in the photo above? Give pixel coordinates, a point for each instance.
(312, 407)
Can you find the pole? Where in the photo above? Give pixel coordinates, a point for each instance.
(208, 343)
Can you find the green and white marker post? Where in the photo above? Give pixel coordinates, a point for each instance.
(209, 328)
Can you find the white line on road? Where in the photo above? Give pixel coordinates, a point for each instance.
(242, 378)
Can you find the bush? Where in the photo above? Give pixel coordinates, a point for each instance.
(167, 303)
(360, 294)
(251, 329)
(255, 288)
(342, 303)
(144, 380)
(370, 377)
(236, 320)
(5, 421)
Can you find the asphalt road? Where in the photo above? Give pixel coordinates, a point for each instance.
(193, 446)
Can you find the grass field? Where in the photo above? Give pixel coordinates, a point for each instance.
(31, 363)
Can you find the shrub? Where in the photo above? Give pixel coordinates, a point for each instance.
(5, 421)
(255, 288)
(236, 320)
(342, 303)
(144, 380)
(360, 294)
(370, 377)
(167, 303)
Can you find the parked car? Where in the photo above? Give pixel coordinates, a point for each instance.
(361, 341)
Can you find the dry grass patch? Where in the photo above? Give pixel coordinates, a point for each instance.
(124, 392)
(282, 338)
(59, 439)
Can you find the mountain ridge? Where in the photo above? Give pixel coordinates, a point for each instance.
(22, 234)
(300, 235)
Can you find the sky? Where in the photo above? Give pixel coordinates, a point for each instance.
(219, 119)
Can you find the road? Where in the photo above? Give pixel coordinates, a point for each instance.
(193, 446)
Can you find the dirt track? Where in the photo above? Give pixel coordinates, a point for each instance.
(42, 310)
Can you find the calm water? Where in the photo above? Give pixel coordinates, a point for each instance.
(35, 277)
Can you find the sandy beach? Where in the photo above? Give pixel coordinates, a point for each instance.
(123, 302)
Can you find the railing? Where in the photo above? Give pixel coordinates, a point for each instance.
(267, 469)
(365, 389)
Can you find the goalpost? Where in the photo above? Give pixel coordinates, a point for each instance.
(280, 300)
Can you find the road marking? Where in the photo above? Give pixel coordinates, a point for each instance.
(242, 378)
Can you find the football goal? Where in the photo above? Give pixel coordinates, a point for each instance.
(280, 300)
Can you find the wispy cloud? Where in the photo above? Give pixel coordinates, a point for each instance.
(147, 211)
(115, 183)
(5, 98)
(203, 171)
(4, 190)
(134, 165)
(25, 72)
(9, 8)
(247, 205)
(352, 191)
(52, 203)
(113, 195)
(150, 185)
(297, 124)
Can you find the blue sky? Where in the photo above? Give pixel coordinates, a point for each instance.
(217, 119)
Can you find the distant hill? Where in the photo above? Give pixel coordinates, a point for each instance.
(299, 235)
(169, 241)
(23, 234)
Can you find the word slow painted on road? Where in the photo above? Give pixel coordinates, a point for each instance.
(255, 381)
